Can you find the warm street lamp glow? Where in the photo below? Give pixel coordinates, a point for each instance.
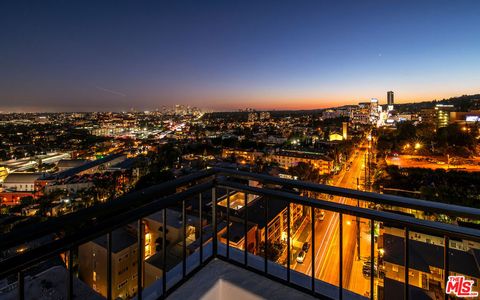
(381, 251)
(418, 146)
(407, 146)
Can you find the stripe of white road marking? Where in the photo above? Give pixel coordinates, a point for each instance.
(332, 226)
(327, 237)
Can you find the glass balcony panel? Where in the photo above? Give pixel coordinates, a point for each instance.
(391, 261)
(256, 232)
(426, 263)
(91, 265)
(301, 246)
(277, 238)
(235, 233)
(357, 256)
(221, 218)
(327, 255)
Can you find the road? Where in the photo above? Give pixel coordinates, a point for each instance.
(327, 238)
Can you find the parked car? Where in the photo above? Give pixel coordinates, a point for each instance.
(321, 216)
(301, 257)
(306, 246)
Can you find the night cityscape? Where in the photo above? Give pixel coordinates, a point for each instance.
(239, 150)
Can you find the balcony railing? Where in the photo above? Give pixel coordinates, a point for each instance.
(307, 236)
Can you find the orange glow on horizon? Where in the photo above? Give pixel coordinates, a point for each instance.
(307, 103)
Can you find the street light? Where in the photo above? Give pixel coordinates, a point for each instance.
(418, 145)
(381, 251)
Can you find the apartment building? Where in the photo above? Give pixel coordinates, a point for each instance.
(92, 264)
(242, 156)
(426, 256)
(290, 158)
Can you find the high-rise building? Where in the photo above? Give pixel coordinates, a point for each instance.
(442, 114)
(390, 98)
(390, 102)
(374, 110)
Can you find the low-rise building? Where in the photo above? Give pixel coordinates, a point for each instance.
(243, 156)
(17, 186)
(66, 164)
(290, 158)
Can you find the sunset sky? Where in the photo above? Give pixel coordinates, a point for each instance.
(224, 55)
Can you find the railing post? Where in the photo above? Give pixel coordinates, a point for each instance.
(313, 247)
(21, 285)
(288, 241)
(200, 209)
(372, 258)
(70, 275)
(214, 222)
(245, 229)
(446, 264)
(407, 260)
(265, 250)
(228, 224)
(164, 251)
(184, 237)
(109, 265)
(141, 246)
(340, 273)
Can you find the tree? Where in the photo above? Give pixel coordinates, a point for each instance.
(26, 201)
(307, 172)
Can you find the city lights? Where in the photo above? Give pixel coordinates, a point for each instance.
(239, 150)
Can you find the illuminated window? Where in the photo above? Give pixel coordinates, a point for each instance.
(94, 276)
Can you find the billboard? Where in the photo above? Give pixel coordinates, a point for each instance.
(472, 118)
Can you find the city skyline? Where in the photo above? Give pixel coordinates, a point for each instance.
(239, 149)
(225, 56)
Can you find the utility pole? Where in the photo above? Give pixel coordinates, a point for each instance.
(370, 163)
(366, 166)
(358, 224)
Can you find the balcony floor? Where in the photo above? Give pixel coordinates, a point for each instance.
(221, 280)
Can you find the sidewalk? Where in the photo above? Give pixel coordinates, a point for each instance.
(301, 235)
(359, 283)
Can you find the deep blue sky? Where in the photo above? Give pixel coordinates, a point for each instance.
(99, 55)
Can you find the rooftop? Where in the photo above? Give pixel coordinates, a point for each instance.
(121, 239)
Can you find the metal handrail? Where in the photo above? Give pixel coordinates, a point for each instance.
(61, 245)
(90, 214)
(418, 204)
(381, 216)
(28, 233)
(151, 203)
